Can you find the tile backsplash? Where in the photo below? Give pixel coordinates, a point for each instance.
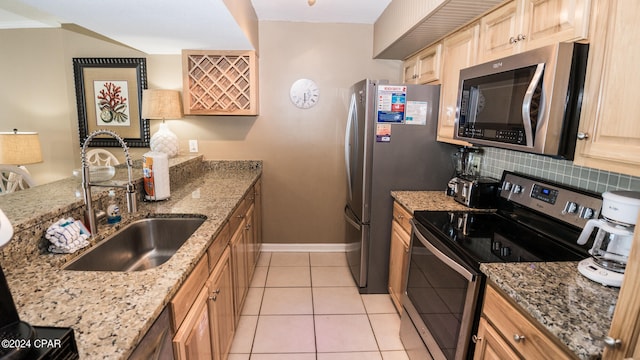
(559, 171)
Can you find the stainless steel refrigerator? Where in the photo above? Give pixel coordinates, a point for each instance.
(390, 144)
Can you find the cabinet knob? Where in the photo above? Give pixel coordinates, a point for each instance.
(611, 342)
(521, 37)
(583, 135)
(213, 297)
(518, 338)
(476, 339)
(512, 40)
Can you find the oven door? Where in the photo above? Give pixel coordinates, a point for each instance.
(440, 301)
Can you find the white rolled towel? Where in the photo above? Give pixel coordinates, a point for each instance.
(66, 236)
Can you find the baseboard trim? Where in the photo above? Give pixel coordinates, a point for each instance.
(303, 247)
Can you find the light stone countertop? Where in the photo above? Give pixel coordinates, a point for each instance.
(111, 311)
(428, 200)
(571, 307)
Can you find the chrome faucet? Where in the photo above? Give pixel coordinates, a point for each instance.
(90, 213)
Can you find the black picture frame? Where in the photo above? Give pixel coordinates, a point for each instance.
(97, 111)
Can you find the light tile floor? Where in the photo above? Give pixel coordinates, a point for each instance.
(305, 306)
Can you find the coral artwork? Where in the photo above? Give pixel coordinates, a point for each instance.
(111, 103)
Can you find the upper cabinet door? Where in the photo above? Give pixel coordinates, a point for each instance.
(424, 67)
(460, 50)
(550, 21)
(499, 31)
(609, 127)
(429, 64)
(410, 70)
(523, 25)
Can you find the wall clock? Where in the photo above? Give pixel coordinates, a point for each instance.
(304, 93)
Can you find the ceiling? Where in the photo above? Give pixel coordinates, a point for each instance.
(168, 26)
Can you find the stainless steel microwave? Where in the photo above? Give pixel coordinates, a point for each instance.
(528, 102)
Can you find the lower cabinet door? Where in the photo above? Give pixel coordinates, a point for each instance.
(193, 338)
(221, 311)
(398, 258)
(239, 266)
(490, 346)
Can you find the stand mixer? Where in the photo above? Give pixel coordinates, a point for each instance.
(612, 244)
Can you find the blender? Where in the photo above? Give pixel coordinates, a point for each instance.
(612, 243)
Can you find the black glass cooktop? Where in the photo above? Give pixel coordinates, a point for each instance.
(496, 237)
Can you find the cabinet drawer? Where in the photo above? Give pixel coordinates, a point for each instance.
(239, 214)
(402, 216)
(511, 323)
(217, 246)
(182, 301)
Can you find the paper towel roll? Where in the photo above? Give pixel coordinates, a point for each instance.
(155, 168)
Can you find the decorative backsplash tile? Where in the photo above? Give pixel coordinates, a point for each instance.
(560, 171)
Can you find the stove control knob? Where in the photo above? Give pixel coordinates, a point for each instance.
(586, 212)
(517, 189)
(570, 208)
(507, 186)
(505, 251)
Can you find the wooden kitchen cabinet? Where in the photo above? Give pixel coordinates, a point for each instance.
(244, 249)
(609, 129)
(221, 307)
(204, 327)
(399, 253)
(424, 67)
(508, 333)
(523, 25)
(490, 345)
(257, 217)
(220, 82)
(239, 266)
(459, 50)
(193, 338)
(410, 70)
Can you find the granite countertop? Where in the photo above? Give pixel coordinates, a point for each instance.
(111, 311)
(429, 200)
(571, 307)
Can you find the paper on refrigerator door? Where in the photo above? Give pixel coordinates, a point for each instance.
(391, 103)
(416, 113)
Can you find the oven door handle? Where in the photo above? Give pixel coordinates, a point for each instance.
(526, 104)
(471, 277)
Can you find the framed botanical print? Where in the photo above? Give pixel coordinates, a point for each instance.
(109, 96)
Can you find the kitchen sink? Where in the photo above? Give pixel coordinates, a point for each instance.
(141, 245)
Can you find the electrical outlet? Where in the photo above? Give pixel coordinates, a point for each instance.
(193, 146)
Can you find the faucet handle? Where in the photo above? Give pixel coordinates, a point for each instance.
(132, 204)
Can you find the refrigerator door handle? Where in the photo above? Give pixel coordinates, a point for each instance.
(349, 219)
(347, 144)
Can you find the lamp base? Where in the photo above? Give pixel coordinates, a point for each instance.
(164, 141)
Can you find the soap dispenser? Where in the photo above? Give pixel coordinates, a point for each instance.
(113, 209)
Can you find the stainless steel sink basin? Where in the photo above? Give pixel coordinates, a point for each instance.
(141, 245)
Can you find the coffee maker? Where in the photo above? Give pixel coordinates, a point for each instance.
(612, 243)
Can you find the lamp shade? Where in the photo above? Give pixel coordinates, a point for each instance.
(20, 148)
(161, 104)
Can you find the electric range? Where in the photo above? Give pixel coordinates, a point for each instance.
(536, 220)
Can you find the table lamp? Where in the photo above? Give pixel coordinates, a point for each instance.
(20, 148)
(162, 104)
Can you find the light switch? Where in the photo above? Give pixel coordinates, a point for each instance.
(193, 146)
